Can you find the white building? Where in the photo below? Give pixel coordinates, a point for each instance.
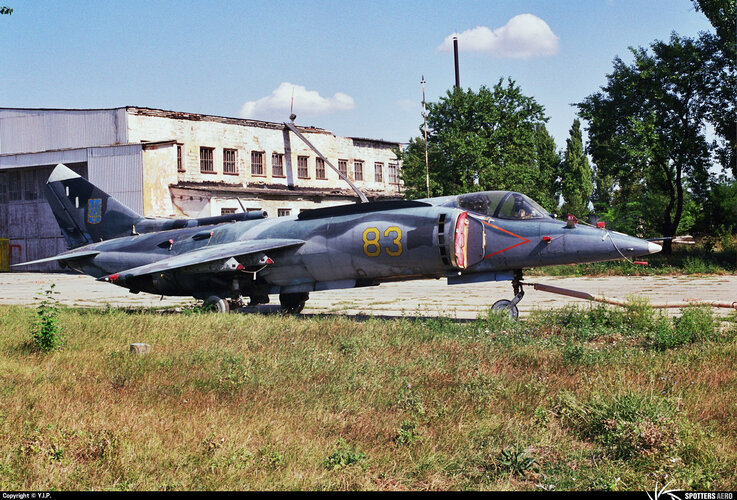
(172, 164)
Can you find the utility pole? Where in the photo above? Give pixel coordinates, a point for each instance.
(424, 119)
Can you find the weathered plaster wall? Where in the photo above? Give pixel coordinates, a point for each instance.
(159, 172)
(193, 134)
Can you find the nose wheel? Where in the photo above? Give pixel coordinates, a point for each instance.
(510, 306)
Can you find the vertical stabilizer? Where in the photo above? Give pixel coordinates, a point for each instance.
(85, 213)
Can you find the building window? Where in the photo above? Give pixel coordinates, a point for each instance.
(206, 164)
(343, 167)
(180, 164)
(257, 163)
(283, 212)
(302, 169)
(378, 172)
(30, 185)
(227, 211)
(393, 168)
(230, 161)
(320, 169)
(358, 170)
(14, 189)
(277, 165)
(3, 188)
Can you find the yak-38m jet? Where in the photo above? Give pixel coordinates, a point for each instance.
(469, 238)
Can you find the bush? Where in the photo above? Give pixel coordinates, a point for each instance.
(697, 324)
(639, 314)
(47, 334)
(665, 336)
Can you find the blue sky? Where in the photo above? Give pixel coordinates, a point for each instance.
(354, 67)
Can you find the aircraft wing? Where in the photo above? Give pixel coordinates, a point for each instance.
(206, 255)
(61, 257)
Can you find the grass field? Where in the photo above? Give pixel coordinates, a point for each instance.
(574, 399)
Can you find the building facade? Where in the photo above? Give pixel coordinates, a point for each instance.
(173, 164)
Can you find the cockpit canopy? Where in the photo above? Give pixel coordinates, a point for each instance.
(500, 204)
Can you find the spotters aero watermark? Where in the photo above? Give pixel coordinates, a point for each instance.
(665, 494)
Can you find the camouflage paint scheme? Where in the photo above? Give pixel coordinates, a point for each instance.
(466, 238)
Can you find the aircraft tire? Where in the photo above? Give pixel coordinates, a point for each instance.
(293, 303)
(218, 304)
(506, 305)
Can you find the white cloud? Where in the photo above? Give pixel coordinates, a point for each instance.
(523, 36)
(306, 103)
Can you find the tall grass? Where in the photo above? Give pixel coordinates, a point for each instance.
(564, 400)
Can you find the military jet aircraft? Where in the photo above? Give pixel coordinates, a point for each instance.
(469, 238)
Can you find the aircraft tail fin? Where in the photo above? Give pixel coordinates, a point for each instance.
(85, 213)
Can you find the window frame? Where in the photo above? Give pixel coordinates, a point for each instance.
(180, 158)
(358, 170)
(306, 174)
(343, 167)
(280, 157)
(254, 155)
(204, 162)
(233, 162)
(392, 173)
(378, 171)
(320, 173)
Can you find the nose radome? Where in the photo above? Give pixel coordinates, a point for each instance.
(653, 247)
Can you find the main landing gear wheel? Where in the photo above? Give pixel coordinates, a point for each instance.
(215, 303)
(506, 305)
(293, 303)
(511, 305)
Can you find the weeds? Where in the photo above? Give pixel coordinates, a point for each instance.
(626, 425)
(344, 456)
(407, 433)
(515, 461)
(47, 333)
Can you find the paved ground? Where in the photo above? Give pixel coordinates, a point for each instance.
(425, 297)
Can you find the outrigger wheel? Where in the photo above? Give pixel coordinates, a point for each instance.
(293, 303)
(218, 304)
(511, 305)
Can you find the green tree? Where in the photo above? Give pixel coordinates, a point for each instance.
(647, 134)
(722, 84)
(485, 140)
(549, 166)
(576, 183)
(722, 15)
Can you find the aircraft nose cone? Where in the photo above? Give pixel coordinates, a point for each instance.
(653, 247)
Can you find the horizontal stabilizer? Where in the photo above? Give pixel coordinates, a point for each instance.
(61, 257)
(207, 254)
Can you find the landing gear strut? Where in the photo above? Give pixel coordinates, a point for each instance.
(293, 303)
(511, 305)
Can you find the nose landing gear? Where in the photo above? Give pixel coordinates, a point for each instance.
(511, 305)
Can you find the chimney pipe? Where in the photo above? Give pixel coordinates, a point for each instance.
(455, 56)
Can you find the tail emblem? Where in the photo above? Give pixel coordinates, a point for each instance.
(94, 210)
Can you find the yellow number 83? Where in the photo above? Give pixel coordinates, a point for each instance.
(372, 247)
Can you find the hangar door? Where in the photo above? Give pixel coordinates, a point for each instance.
(26, 218)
